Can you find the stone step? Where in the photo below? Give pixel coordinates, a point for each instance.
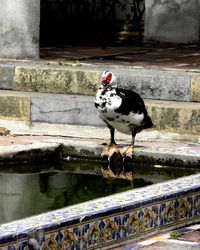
(173, 116)
(64, 79)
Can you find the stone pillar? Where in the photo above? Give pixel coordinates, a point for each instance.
(176, 21)
(19, 28)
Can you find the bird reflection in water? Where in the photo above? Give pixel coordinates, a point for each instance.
(118, 167)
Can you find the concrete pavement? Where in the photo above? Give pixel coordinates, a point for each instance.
(187, 238)
(87, 142)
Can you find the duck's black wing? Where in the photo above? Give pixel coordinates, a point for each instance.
(133, 102)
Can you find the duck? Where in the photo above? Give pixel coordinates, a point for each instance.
(122, 110)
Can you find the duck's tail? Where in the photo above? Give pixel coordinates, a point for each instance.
(148, 123)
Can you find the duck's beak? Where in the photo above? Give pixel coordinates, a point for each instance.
(104, 83)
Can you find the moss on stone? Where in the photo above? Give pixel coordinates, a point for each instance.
(14, 107)
(55, 80)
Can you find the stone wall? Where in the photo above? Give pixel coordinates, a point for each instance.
(175, 21)
(165, 21)
(19, 28)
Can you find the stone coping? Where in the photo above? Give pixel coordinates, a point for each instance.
(172, 116)
(109, 221)
(50, 77)
(148, 148)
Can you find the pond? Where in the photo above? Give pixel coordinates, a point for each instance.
(32, 189)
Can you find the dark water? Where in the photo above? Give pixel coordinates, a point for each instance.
(28, 190)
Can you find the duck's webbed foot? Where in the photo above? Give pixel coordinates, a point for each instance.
(127, 152)
(109, 152)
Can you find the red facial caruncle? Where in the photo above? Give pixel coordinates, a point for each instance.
(106, 78)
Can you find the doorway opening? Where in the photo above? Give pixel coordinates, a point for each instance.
(91, 22)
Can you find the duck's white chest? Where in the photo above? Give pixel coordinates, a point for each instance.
(107, 101)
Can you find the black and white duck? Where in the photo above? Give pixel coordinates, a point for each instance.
(123, 110)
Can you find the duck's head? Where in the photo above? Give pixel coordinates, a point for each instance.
(108, 80)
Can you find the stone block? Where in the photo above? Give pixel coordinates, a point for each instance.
(152, 84)
(180, 117)
(14, 107)
(172, 116)
(195, 88)
(56, 80)
(6, 76)
(65, 109)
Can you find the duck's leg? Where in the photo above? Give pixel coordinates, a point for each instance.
(128, 152)
(111, 150)
(112, 138)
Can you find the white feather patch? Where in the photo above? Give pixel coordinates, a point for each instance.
(123, 123)
(108, 103)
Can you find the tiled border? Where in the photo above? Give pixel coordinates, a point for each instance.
(109, 221)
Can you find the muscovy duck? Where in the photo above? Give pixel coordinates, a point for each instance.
(120, 109)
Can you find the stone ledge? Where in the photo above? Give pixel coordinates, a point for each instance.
(15, 107)
(164, 85)
(54, 78)
(181, 117)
